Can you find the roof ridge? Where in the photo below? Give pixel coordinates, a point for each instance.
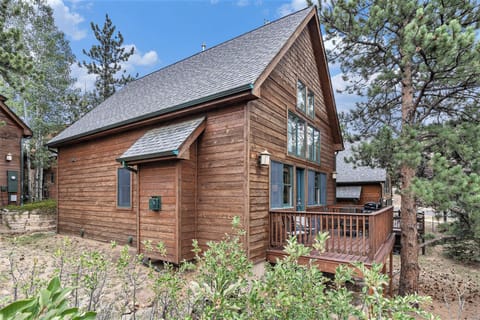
(221, 43)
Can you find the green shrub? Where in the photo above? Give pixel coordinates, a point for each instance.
(465, 250)
(42, 205)
(51, 303)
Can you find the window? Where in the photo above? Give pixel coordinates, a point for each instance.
(317, 188)
(300, 142)
(301, 96)
(296, 136)
(305, 100)
(123, 188)
(281, 185)
(311, 104)
(313, 144)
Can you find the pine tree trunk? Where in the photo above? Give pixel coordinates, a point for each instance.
(29, 173)
(409, 270)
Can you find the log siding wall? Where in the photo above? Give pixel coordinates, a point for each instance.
(159, 179)
(10, 138)
(188, 194)
(221, 173)
(268, 130)
(87, 189)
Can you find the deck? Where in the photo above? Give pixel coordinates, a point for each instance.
(353, 235)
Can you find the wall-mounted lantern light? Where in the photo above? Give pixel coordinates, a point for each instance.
(334, 175)
(9, 157)
(265, 158)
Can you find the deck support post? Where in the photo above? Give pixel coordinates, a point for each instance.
(390, 274)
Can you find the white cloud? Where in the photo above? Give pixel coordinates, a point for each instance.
(85, 81)
(138, 59)
(67, 20)
(291, 7)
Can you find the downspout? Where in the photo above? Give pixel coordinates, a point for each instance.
(22, 173)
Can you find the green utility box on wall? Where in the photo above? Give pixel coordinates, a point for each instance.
(12, 181)
(155, 203)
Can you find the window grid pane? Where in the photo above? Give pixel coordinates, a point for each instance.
(311, 104)
(123, 188)
(276, 185)
(301, 96)
(287, 185)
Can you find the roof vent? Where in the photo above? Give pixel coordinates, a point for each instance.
(204, 46)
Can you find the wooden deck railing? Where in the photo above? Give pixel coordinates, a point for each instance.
(352, 232)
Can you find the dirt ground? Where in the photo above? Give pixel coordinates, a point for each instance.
(449, 283)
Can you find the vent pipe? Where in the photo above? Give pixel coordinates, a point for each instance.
(204, 46)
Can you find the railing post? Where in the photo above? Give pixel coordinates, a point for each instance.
(372, 237)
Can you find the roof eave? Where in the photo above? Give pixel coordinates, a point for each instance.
(223, 94)
(322, 69)
(150, 156)
(27, 132)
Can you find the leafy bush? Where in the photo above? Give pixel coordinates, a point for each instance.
(41, 205)
(463, 250)
(221, 287)
(51, 303)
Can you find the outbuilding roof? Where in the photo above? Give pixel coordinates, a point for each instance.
(349, 173)
(27, 132)
(349, 192)
(163, 141)
(228, 68)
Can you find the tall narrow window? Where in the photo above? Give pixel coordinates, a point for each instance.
(313, 144)
(123, 188)
(301, 96)
(312, 191)
(311, 104)
(317, 188)
(287, 186)
(323, 188)
(281, 190)
(296, 136)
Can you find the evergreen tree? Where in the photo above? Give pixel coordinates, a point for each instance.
(453, 158)
(13, 59)
(43, 102)
(416, 63)
(106, 60)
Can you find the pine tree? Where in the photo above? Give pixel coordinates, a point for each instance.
(13, 59)
(416, 63)
(43, 101)
(452, 184)
(106, 60)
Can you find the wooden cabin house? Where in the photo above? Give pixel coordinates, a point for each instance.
(12, 131)
(358, 185)
(247, 128)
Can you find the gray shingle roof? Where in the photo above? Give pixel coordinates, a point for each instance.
(347, 173)
(230, 67)
(349, 192)
(162, 141)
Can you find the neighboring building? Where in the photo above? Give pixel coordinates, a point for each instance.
(12, 131)
(174, 156)
(361, 184)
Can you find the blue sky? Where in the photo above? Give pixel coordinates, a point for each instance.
(165, 31)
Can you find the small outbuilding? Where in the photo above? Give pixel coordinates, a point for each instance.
(12, 132)
(358, 185)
